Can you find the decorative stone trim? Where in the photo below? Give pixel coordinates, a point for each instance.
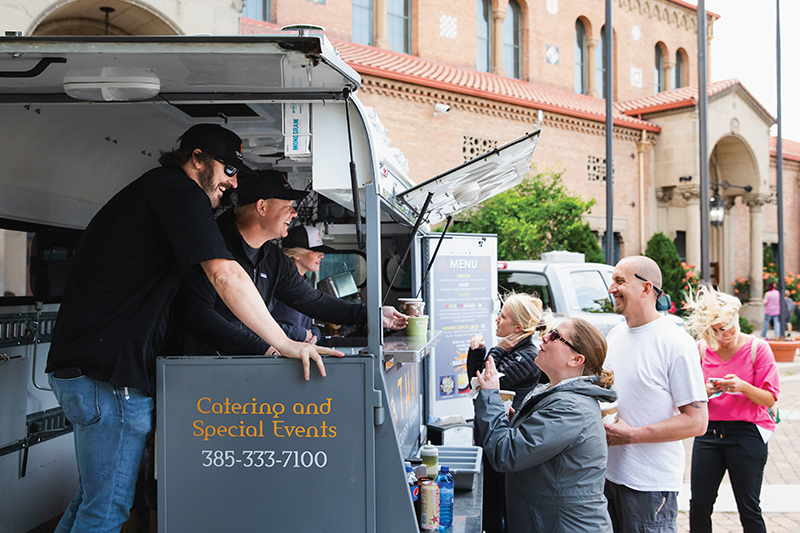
(788, 165)
(664, 194)
(773, 195)
(758, 201)
(689, 193)
(683, 18)
(482, 106)
(736, 89)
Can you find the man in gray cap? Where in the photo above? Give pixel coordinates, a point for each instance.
(114, 313)
(265, 208)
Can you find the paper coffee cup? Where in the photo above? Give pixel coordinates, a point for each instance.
(608, 410)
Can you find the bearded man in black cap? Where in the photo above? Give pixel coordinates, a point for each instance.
(114, 313)
(265, 208)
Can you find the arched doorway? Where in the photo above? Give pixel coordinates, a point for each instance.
(733, 173)
(88, 17)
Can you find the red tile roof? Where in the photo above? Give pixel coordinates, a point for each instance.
(683, 97)
(791, 149)
(368, 60)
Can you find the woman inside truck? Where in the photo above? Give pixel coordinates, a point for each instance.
(303, 245)
(553, 451)
(514, 356)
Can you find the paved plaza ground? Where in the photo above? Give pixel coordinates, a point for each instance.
(780, 494)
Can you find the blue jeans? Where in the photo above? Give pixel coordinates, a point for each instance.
(110, 427)
(776, 325)
(737, 447)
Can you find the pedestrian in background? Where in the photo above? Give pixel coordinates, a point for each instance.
(788, 311)
(742, 384)
(772, 310)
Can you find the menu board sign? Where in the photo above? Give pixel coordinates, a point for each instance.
(241, 440)
(462, 287)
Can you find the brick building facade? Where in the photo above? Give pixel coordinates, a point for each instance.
(498, 64)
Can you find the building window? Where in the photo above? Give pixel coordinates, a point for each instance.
(256, 9)
(362, 22)
(580, 58)
(512, 58)
(679, 70)
(658, 74)
(484, 59)
(600, 61)
(398, 14)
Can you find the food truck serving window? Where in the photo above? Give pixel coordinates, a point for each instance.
(34, 261)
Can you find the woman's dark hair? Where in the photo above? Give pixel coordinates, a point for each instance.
(590, 343)
(178, 158)
(771, 287)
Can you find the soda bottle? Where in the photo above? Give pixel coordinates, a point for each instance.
(412, 482)
(445, 482)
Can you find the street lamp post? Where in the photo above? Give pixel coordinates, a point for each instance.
(717, 203)
(702, 118)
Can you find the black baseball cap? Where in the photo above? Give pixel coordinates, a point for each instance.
(266, 184)
(215, 140)
(307, 237)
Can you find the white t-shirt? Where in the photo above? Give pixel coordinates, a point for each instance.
(656, 370)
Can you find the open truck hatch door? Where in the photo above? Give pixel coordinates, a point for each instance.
(187, 68)
(90, 114)
(473, 182)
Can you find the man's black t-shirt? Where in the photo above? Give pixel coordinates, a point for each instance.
(211, 327)
(114, 313)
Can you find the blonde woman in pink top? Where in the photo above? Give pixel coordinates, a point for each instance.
(742, 384)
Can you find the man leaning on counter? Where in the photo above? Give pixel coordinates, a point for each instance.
(264, 210)
(114, 313)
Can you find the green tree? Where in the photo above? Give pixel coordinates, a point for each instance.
(662, 250)
(536, 216)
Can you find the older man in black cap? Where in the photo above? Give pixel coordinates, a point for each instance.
(114, 313)
(265, 208)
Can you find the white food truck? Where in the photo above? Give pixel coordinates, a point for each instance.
(81, 117)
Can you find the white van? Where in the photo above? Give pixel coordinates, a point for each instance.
(566, 284)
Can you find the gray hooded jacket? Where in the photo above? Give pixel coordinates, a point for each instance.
(554, 453)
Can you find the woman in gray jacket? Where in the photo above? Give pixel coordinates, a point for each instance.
(554, 449)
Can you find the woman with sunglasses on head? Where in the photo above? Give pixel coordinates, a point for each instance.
(514, 357)
(742, 384)
(554, 449)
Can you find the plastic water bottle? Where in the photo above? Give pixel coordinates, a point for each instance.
(412, 483)
(445, 482)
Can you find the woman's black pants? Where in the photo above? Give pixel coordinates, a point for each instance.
(738, 448)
